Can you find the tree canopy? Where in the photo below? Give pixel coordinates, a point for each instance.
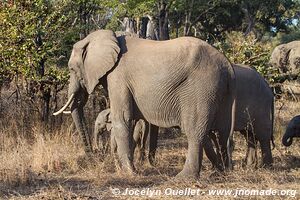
(37, 35)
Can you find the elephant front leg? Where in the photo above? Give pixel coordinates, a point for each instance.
(122, 135)
(121, 113)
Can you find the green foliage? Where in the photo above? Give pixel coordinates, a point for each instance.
(270, 13)
(293, 34)
(30, 38)
(248, 51)
(37, 35)
(129, 8)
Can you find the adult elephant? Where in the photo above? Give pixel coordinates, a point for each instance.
(286, 57)
(292, 130)
(183, 82)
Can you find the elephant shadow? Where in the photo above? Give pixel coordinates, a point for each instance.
(77, 185)
(287, 162)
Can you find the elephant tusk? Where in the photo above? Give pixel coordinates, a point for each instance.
(67, 112)
(66, 105)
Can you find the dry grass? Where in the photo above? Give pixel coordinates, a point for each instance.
(52, 165)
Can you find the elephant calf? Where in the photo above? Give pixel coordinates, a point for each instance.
(102, 131)
(292, 130)
(254, 113)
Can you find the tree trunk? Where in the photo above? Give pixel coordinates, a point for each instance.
(83, 21)
(43, 90)
(143, 27)
(188, 23)
(163, 21)
(129, 25)
(249, 20)
(152, 31)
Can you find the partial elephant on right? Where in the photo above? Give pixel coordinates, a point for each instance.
(254, 113)
(286, 57)
(292, 130)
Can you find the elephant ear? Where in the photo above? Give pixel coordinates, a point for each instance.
(107, 115)
(279, 57)
(100, 51)
(284, 56)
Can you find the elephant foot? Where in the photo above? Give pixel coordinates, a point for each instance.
(152, 162)
(266, 164)
(218, 168)
(217, 175)
(187, 175)
(128, 171)
(128, 168)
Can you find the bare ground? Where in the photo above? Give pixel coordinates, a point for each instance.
(53, 166)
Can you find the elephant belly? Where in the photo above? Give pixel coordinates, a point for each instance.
(252, 117)
(158, 109)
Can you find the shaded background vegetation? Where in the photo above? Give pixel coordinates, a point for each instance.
(36, 38)
(37, 35)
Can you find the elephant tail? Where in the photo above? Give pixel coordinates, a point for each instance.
(272, 123)
(233, 92)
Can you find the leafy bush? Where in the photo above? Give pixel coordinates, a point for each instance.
(248, 51)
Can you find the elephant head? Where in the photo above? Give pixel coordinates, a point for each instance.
(292, 130)
(286, 56)
(90, 60)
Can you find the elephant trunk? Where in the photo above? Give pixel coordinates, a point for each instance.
(80, 99)
(287, 139)
(80, 123)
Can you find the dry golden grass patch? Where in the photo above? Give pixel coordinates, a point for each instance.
(52, 165)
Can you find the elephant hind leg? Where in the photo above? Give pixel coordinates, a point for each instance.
(266, 152)
(264, 137)
(196, 129)
(153, 138)
(211, 154)
(225, 155)
(251, 155)
(191, 169)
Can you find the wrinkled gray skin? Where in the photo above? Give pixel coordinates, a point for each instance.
(183, 82)
(102, 133)
(292, 130)
(286, 57)
(254, 117)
